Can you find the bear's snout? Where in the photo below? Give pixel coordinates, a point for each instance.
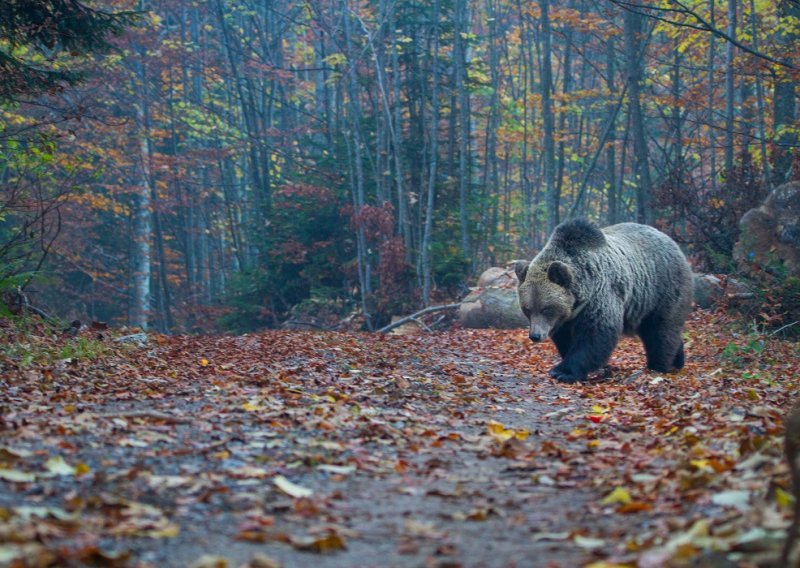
(539, 330)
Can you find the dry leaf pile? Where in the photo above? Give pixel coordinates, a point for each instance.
(343, 449)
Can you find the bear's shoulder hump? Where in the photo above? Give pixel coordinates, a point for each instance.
(578, 234)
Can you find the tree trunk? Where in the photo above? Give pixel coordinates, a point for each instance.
(712, 132)
(611, 150)
(427, 236)
(762, 131)
(634, 52)
(730, 89)
(784, 100)
(462, 27)
(548, 119)
(142, 214)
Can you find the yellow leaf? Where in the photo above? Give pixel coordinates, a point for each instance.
(700, 464)
(204, 362)
(618, 495)
(169, 531)
(783, 498)
(252, 406)
(501, 433)
(82, 469)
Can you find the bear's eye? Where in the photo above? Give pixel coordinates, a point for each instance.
(548, 312)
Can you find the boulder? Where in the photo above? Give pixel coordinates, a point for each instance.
(498, 278)
(494, 303)
(492, 308)
(711, 290)
(708, 291)
(769, 242)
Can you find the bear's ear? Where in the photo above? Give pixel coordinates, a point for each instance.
(559, 273)
(521, 269)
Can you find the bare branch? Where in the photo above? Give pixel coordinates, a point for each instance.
(704, 25)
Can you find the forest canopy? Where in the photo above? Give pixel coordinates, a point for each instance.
(235, 164)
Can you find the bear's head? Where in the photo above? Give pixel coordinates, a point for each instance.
(545, 296)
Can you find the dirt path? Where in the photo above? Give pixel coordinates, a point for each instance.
(331, 449)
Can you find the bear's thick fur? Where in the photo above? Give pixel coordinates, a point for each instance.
(588, 286)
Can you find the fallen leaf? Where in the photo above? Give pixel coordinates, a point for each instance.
(325, 544)
(734, 498)
(589, 543)
(338, 469)
(57, 466)
(291, 489)
(618, 495)
(209, 561)
(16, 475)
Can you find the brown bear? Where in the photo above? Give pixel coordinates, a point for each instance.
(588, 286)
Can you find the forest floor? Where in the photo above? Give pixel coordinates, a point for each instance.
(288, 448)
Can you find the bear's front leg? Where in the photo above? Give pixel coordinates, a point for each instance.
(591, 347)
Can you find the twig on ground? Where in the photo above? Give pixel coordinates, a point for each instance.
(153, 414)
(414, 316)
(787, 326)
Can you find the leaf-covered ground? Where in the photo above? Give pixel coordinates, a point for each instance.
(345, 449)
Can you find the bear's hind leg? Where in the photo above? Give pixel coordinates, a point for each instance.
(662, 344)
(679, 358)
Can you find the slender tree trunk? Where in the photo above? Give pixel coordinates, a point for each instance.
(634, 52)
(730, 88)
(712, 133)
(403, 220)
(462, 26)
(427, 237)
(548, 119)
(490, 173)
(784, 100)
(611, 159)
(358, 197)
(139, 308)
(762, 130)
(142, 234)
(525, 182)
(677, 119)
(566, 83)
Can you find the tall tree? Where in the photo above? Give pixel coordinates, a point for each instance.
(785, 92)
(634, 53)
(548, 119)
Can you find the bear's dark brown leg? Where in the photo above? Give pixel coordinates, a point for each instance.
(662, 344)
(593, 341)
(563, 339)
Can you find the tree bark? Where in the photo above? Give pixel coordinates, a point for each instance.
(784, 101)
(611, 160)
(427, 236)
(634, 51)
(730, 90)
(462, 26)
(548, 119)
(357, 185)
